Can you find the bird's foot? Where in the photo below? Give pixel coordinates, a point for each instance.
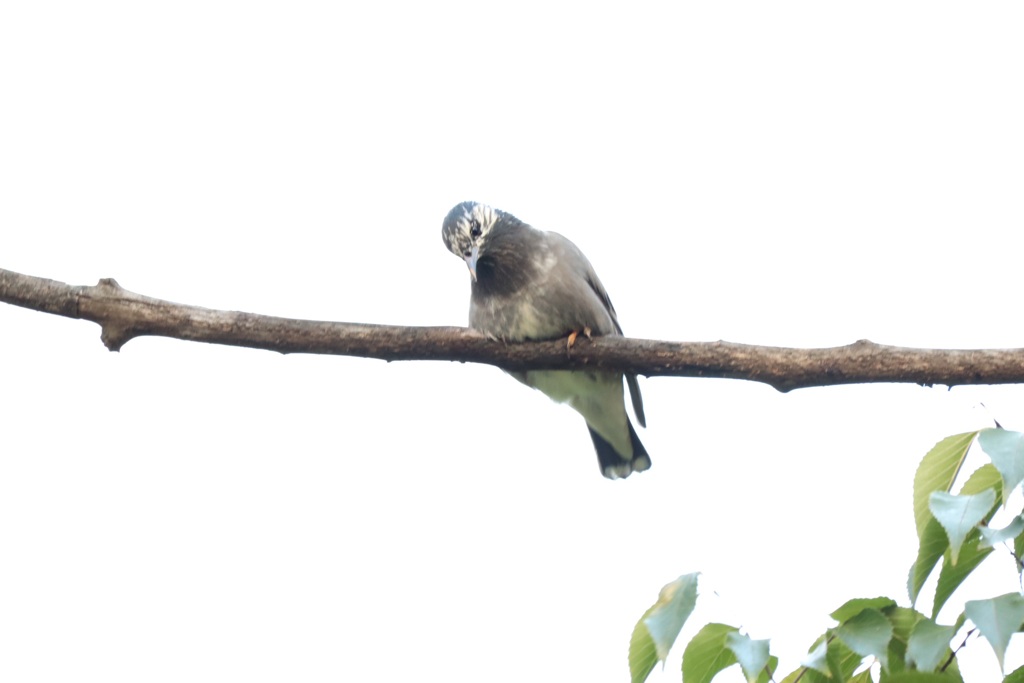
(574, 335)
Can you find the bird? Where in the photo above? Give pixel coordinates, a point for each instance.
(529, 284)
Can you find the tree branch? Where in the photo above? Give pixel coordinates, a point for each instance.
(124, 315)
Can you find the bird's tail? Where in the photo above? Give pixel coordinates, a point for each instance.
(615, 466)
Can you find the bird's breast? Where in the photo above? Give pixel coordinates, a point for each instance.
(513, 318)
(516, 305)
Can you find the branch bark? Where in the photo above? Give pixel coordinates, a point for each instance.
(124, 315)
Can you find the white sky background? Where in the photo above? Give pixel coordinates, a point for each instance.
(797, 173)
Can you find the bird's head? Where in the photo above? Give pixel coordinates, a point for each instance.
(466, 230)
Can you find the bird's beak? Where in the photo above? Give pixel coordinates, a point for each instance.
(471, 260)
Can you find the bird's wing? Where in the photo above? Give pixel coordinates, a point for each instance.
(579, 263)
(638, 400)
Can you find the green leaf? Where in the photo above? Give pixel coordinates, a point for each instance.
(937, 471)
(903, 621)
(751, 654)
(767, 674)
(792, 676)
(984, 478)
(897, 656)
(816, 658)
(933, 544)
(934, 541)
(997, 619)
(958, 515)
(951, 576)
(868, 634)
(674, 606)
(706, 654)
(929, 644)
(1006, 449)
(852, 608)
(990, 536)
(1016, 676)
(803, 675)
(643, 656)
(842, 661)
(659, 627)
(921, 677)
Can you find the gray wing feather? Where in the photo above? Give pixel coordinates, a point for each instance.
(638, 400)
(580, 263)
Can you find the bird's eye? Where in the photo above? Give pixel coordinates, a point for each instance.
(474, 228)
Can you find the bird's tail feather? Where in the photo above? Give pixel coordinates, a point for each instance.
(615, 466)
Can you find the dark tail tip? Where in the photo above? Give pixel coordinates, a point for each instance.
(615, 466)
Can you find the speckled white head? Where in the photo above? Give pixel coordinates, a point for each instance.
(465, 231)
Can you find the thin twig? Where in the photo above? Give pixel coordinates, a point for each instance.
(952, 655)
